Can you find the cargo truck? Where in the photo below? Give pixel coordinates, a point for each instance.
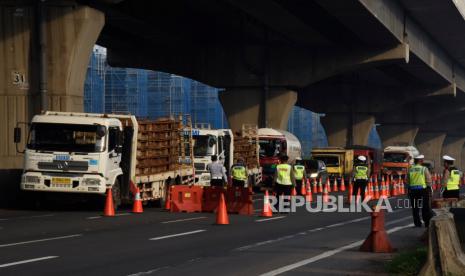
(228, 147)
(398, 159)
(273, 143)
(86, 153)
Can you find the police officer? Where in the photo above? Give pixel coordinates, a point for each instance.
(217, 173)
(299, 174)
(360, 176)
(284, 178)
(451, 179)
(419, 191)
(239, 173)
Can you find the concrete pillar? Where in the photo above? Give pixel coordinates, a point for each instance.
(251, 106)
(71, 32)
(397, 134)
(343, 130)
(430, 145)
(463, 160)
(453, 146)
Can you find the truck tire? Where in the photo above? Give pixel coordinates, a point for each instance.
(116, 193)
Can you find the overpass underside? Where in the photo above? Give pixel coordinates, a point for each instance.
(359, 62)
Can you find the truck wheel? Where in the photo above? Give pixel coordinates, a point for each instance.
(116, 193)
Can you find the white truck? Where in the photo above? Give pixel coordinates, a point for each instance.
(89, 153)
(221, 142)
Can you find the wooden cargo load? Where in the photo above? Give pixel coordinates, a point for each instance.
(246, 146)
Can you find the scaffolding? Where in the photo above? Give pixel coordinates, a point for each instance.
(94, 85)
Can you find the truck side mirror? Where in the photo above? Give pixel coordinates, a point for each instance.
(119, 149)
(17, 132)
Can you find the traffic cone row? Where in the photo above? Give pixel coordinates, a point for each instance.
(308, 196)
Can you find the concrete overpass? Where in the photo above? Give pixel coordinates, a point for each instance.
(358, 61)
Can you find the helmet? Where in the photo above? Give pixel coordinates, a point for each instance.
(362, 158)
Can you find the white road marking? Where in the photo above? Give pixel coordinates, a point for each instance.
(116, 215)
(397, 220)
(257, 199)
(179, 220)
(325, 254)
(96, 217)
(41, 240)
(267, 219)
(28, 261)
(177, 235)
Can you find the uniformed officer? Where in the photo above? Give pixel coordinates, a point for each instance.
(451, 178)
(419, 191)
(239, 173)
(217, 172)
(360, 176)
(299, 174)
(284, 178)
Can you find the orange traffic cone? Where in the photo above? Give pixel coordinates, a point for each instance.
(376, 188)
(303, 190)
(335, 189)
(168, 198)
(328, 186)
(137, 206)
(377, 241)
(308, 196)
(221, 214)
(351, 191)
(293, 192)
(314, 184)
(394, 188)
(388, 186)
(402, 186)
(266, 206)
(320, 185)
(109, 210)
(325, 194)
(343, 185)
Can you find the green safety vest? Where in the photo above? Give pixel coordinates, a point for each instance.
(299, 171)
(284, 174)
(416, 176)
(454, 180)
(239, 173)
(361, 172)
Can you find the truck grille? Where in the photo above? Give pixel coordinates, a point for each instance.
(64, 165)
(199, 166)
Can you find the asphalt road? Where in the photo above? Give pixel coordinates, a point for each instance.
(77, 242)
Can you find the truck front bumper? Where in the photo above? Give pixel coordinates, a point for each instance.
(70, 183)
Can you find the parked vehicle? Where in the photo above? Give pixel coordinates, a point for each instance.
(87, 153)
(228, 148)
(316, 169)
(398, 159)
(273, 143)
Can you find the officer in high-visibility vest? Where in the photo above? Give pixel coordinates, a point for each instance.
(299, 174)
(239, 173)
(451, 179)
(419, 191)
(360, 176)
(284, 178)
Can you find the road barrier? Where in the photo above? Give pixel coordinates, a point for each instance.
(211, 198)
(185, 198)
(239, 200)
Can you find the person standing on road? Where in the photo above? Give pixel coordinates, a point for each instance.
(284, 178)
(217, 171)
(419, 191)
(239, 173)
(451, 178)
(360, 176)
(299, 174)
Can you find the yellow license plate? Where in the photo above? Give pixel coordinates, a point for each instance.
(61, 181)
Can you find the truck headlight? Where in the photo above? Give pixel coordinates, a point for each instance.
(91, 181)
(34, 179)
(314, 175)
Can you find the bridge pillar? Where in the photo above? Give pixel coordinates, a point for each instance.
(344, 129)
(430, 144)
(71, 31)
(252, 106)
(453, 146)
(397, 134)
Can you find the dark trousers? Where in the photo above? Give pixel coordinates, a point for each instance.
(420, 198)
(282, 190)
(298, 186)
(238, 183)
(216, 182)
(360, 184)
(451, 194)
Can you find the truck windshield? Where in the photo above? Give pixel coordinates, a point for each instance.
(204, 145)
(65, 137)
(395, 157)
(330, 161)
(270, 148)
